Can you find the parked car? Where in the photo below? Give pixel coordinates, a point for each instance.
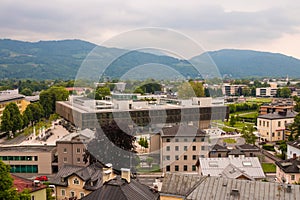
(42, 178)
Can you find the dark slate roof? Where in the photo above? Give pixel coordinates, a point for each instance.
(289, 165)
(179, 184)
(89, 174)
(215, 188)
(120, 189)
(218, 147)
(277, 115)
(247, 147)
(295, 144)
(182, 130)
(236, 152)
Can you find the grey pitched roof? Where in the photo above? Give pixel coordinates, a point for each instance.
(289, 166)
(247, 147)
(120, 189)
(91, 175)
(179, 184)
(182, 130)
(276, 115)
(215, 166)
(216, 188)
(232, 171)
(218, 147)
(236, 152)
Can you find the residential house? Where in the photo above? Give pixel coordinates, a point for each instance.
(122, 187)
(288, 171)
(245, 150)
(232, 167)
(36, 189)
(77, 181)
(71, 148)
(272, 126)
(293, 149)
(180, 146)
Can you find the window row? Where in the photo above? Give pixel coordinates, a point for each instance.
(185, 157)
(23, 168)
(19, 158)
(202, 139)
(177, 168)
(185, 148)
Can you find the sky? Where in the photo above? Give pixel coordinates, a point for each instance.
(232, 24)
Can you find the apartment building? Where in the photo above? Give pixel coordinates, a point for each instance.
(233, 90)
(179, 147)
(272, 126)
(16, 98)
(71, 148)
(266, 92)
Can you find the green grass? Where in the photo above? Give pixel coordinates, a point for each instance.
(154, 168)
(229, 140)
(260, 100)
(268, 167)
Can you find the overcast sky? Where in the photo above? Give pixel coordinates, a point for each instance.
(241, 24)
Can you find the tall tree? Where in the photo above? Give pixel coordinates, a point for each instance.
(50, 96)
(7, 192)
(248, 135)
(11, 119)
(101, 92)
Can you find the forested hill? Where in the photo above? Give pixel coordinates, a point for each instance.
(62, 59)
(248, 63)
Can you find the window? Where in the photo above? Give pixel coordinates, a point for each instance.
(76, 181)
(81, 194)
(247, 163)
(185, 148)
(194, 168)
(168, 148)
(278, 134)
(63, 192)
(176, 157)
(78, 150)
(264, 123)
(202, 139)
(32, 197)
(202, 148)
(65, 150)
(65, 159)
(194, 157)
(219, 155)
(194, 148)
(279, 123)
(168, 140)
(72, 194)
(185, 168)
(168, 168)
(185, 157)
(78, 160)
(267, 124)
(185, 139)
(260, 122)
(176, 168)
(292, 177)
(194, 140)
(273, 134)
(176, 148)
(176, 140)
(167, 157)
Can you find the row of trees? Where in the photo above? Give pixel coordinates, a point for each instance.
(12, 120)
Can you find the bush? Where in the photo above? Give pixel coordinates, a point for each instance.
(268, 147)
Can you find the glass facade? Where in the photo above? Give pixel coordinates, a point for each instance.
(23, 168)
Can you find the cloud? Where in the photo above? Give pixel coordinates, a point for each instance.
(230, 22)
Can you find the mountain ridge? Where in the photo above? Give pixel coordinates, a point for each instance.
(61, 59)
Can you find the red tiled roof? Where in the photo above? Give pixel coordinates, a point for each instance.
(22, 184)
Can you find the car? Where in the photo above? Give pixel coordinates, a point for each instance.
(41, 178)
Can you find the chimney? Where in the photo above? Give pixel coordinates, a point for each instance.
(125, 174)
(108, 173)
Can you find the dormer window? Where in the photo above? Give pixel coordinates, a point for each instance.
(62, 179)
(76, 181)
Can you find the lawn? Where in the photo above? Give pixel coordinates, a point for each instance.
(269, 167)
(229, 140)
(260, 100)
(154, 168)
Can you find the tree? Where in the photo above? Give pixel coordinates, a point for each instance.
(11, 118)
(113, 143)
(101, 92)
(149, 161)
(248, 135)
(50, 96)
(191, 89)
(139, 90)
(7, 192)
(284, 92)
(26, 92)
(232, 121)
(143, 142)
